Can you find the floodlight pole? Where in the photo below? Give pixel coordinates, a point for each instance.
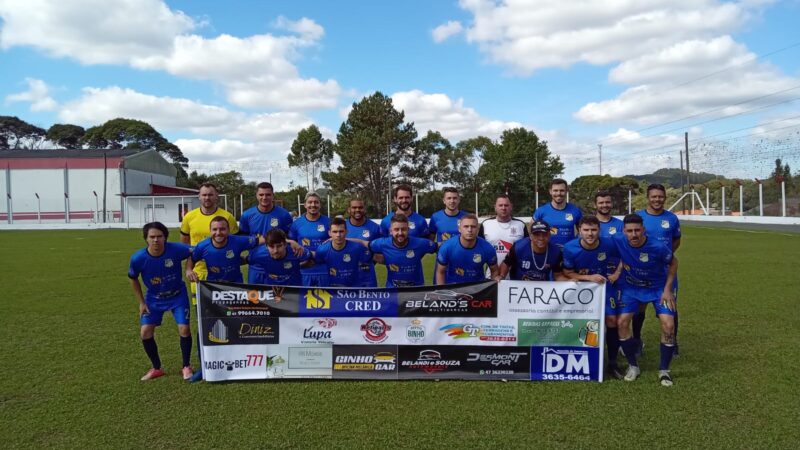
(96, 207)
(783, 198)
(630, 201)
(38, 207)
(741, 200)
(708, 204)
(760, 199)
(723, 200)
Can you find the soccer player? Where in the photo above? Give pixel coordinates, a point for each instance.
(266, 215)
(221, 252)
(444, 222)
(503, 229)
(342, 257)
(159, 265)
(273, 265)
(560, 214)
(196, 225)
(402, 254)
(665, 227)
(603, 204)
(310, 231)
(360, 227)
(586, 259)
(417, 225)
(534, 258)
(649, 270)
(464, 257)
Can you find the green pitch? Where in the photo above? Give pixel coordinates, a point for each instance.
(72, 358)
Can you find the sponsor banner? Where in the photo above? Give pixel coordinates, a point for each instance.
(452, 300)
(550, 299)
(565, 363)
(343, 330)
(347, 302)
(568, 332)
(235, 362)
(431, 362)
(299, 361)
(365, 362)
(498, 363)
(240, 330)
(218, 299)
(464, 362)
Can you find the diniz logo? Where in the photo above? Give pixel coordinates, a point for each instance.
(256, 330)
(537, 295)
(495, 359)
(254, 297)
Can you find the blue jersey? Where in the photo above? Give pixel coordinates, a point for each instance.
(264, 269)
(310, 234)
(562, 221)
(590, 262)
(254, 222)
(403, 264)
(664, 227)
(417, 226)
(466, 264)
(368, 231)
(223, 263)
(646, 266)
(445, 226)
(610, 228)
(162, 275)
(343, 265)
(528, 266)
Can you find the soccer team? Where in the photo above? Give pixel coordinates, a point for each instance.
(633, 257)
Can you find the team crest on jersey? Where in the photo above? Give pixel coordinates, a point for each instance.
(229, 254)
(410, 254)
(168, 263)
(643, 257)
(412, 225)
(601, 256)
(665, 224)
(346, 258)
(569, 217)
(476, 258)
(612, 230)
(320, 227)
(287, 265)
(365, 233)
(273, 222)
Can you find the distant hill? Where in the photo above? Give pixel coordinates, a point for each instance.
(672, 177)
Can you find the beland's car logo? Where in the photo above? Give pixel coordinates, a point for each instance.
(430, 361)
(567, 361)
(415, 332)
(318, 299)
(496, 359)
(643, 257)
(273, 222)
(375, 330)
(218, 333)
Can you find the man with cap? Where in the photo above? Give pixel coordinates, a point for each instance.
(534, 258)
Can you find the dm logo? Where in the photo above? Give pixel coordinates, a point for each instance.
(566, 361)
(318, 299)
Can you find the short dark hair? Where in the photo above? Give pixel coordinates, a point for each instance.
(402, 187)
(399, 218)
(656, 186)
(450, 189)
(158, 226)
(265, 185)
(469, 216)
(505, 196)
(219, 219)
(209, 184)
(275, 236)
(633, 218)
(601, 193)
(558, 181)
(355, 199)
(339, 221)
(588, 220)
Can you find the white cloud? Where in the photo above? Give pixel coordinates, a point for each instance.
(440, 113)
(38, 94)
(446, 30)
(304, 27)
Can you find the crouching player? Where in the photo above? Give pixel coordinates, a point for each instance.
(649, 269)
(159, 265)
(586, 259)
(273, 264)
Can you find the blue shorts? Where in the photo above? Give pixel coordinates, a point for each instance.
(633, 297)
(614, 304)
(315, 279)
(178, 305)
(366, 276)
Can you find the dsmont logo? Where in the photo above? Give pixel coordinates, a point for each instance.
(318, 299)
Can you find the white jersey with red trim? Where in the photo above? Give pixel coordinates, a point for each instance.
(502, 235)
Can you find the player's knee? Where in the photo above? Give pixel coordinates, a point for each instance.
(611, 321)
(147, 331)
(184, 331)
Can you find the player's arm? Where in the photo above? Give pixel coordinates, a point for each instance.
(185, 238)
(615, 276)
(558, 270)
(676, 242)
(190, 275)
(494, 271)
(508, 263)
(137, 292)
(667, 297)
(441, 270)
(358, 241)
(297, 249)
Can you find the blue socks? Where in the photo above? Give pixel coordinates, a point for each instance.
(666, 356)
(629, 347)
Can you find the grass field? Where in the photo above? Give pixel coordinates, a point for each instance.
(71, 361)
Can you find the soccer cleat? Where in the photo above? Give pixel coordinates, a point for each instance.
(614, 372)
(152, 374)
(187, 372)
(633, 373)
(665, 378)
(197, 376)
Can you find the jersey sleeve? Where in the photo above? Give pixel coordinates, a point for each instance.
(285, 222)
(481, 232)
(525, 232)
(537, 215)
(443, 257)
(365, 254)
(198, 254)
(676, 230)
(244, 223)
(558, 265)
(490, 254)
(376, 246)
(306, 255)
(431, 246)
(511, 257)
(183, 250)
(568, 261)
(426, 228)
(185, 223)
(134, 267)
(293, 231)
(385, 226)
(321, 253)
(234, 225)
(432, 225)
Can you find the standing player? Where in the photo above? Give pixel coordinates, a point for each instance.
(586, 259)
(417, 225)
(649, 270)
(159, 265)
(444, 222)
(360, 227)
(310, 231)
(196, 225)
(402, 254)
(266, 215)
(603, 204)
(342, 257)
(221, 252)
(534, 258)
(560, 214)
(273, 265)
(462, 258)
(663, 226)
(503, 229)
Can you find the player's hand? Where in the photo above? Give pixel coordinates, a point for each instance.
(297, 249)
(191, 276)
(614, 277)
(597, 278)
(143, 309)
(668, 299)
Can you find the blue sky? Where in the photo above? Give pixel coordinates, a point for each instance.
(232, 82)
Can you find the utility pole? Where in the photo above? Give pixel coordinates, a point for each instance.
(683, 186)
(537, 183)
(600, 157)
(686, 147)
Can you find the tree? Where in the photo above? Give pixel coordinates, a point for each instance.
(458, 166)
(419, 167)
(582, 191)
(311, 153)
(132, 134)
(230, 183)
(66, 135)
(514, 163)
(18, 134)
(372, 140)
(192, 180)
